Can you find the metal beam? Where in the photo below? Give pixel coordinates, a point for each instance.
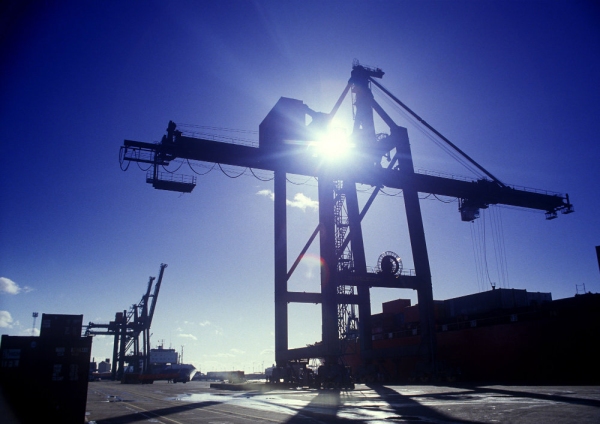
(483, 191)
(281, 276)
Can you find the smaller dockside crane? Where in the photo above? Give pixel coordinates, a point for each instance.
(127, 328)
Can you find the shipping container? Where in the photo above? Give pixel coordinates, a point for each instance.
(395, 306)
(52, 371)
(54, 325)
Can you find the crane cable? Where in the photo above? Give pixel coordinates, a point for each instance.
(231, 176)
(437, 133)
(500, 246)
(175, 170)
(122, 159)
(140, 166)
(480, 241)
(458, 158)
(261, 179)
(199, 173)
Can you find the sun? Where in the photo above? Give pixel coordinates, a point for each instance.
(333, 144)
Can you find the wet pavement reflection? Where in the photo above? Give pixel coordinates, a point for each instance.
(114, 403)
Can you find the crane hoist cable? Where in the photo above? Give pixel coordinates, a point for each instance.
(480, 237)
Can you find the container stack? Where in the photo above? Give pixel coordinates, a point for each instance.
(45, 378)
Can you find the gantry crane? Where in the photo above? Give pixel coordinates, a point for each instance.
(127, 328)
(287, 145)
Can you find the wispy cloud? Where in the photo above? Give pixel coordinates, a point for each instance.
(31, 332)
(267, 193)
(8, 286)
(188, 336)
(301, 201)
(204, 323)
(237, 351)
(6, 319)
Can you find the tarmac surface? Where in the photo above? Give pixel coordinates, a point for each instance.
(196, 402)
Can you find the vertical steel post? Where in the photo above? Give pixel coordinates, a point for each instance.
(360, 267)
(281, 307)
(136, 339)
(416, 233)
(329, 310)
(122, 345)
(115, 358)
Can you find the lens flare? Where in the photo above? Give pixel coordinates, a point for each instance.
(333, 144)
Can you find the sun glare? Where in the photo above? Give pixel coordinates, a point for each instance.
(333, 144)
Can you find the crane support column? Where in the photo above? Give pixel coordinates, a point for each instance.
(122, 345)
(328, 268)
(418, 244)
(360, 267)
(281, 306)
(115, 358)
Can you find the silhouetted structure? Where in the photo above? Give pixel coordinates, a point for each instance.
(52, 369)
(127, 329)
(288, 145)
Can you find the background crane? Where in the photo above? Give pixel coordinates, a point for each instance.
(127, 328)
(287, 146)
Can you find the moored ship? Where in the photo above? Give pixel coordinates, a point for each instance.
(163, 365)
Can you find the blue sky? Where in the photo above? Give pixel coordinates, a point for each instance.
(515, 84)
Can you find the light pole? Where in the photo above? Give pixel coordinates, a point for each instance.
(35, 315)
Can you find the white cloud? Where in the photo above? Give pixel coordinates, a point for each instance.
(204, 323)
(6, 319)
(301, 201)
(31, 332)
(9, 286)
(267, 193)
(237, 351)
(188, 336)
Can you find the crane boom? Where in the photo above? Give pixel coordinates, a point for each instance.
(155, 295)
(475, 194)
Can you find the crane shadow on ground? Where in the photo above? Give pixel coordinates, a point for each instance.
(152, 414)
(330, 406)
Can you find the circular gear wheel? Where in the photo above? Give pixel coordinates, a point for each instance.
(389, 263)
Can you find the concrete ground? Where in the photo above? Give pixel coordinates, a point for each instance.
(195, 402)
